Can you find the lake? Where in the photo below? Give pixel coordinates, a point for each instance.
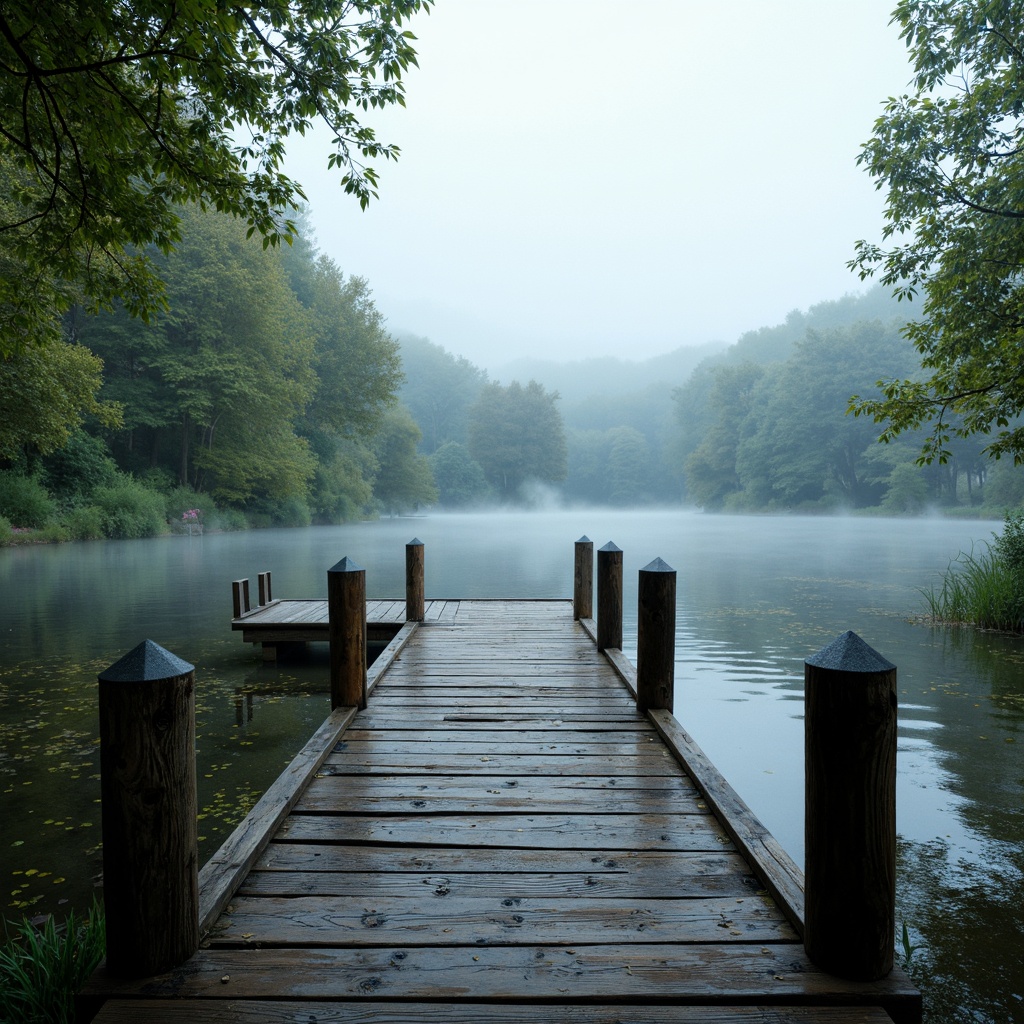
(757, 595)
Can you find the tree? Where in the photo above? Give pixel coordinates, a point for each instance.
(45, 394)
(438, 389)
(951, 157)
(460, 481)
(403, 479)
(516, 434)
(113, 115)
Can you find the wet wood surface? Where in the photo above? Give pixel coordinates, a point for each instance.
(501, 836)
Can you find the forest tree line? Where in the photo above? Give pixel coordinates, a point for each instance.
(270, 392)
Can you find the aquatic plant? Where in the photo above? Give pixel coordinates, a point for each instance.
(43, 966)
(984, 589)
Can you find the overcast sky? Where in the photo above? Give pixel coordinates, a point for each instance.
(587, 177)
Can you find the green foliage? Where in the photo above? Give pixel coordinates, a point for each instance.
(45, 393)
(516, 434)
(42, 967)
(5, 531)
(83, 463)
(179, 500)
(85, 522)
(197, 105)
(949, 155)
(439, 389)
(460, 481)
(24, 501)
(403, 480)
(130, 510)
(985, 590)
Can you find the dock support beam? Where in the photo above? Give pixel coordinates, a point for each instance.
(850, 825)
(414, 580)
(148, 791)
(583, 579)
(346, 614)
(609, 597)
(656, 636)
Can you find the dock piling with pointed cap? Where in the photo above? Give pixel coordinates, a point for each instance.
(148, 793)
(346, 630)
(609, 598)
(414, 588)
(850, 824)
(583, 579)
(656, 636)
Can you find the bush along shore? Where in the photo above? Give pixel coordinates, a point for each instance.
(984, 588)
(123, 508)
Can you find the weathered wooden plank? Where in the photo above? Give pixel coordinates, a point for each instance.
(540, 739)
(390, 744)
(448, 920)
(646, 867)
(490, 764)
(673, 883)
(391, 720)
(775, 868)
(333, 795)
(435, 784)
(221, 1011)
(686, 974)
(222, 873)
(524, 831)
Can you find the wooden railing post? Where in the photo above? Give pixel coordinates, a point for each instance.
(583, 580)
(850, 825)
(414, 580)
(346, 614)
(656, 636)
(263, 580)
(148, 791)
(609, 597)
(240, 597)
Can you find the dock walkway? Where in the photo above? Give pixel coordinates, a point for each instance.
(501, 836)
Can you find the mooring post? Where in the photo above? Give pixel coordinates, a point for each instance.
(656, 636)
(346, 629)
(609, 597)
(240, 597)
(263, 580)
(583, 579)
(150, 831)
(414, 580)
(850, 824)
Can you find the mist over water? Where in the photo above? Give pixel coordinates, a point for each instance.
(756, 596)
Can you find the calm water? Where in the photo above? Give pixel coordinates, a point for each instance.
(757, 595)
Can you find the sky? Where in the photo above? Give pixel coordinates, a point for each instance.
(590, 178)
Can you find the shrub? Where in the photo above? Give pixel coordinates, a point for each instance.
(130, 510)
(85, 523)
(180, 499)
(83, 464)
(24, 501)
(42, 968)
(985, 590)
(5, 531)
(229, 519)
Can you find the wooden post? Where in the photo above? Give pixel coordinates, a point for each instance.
(414, 580)
(609, 597)
(850, 824)
(656, 636)
(148, 790)
(583, 580)
(346, 614)
(240, 597)
(264, 587)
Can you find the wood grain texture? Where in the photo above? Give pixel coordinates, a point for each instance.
(501, 836)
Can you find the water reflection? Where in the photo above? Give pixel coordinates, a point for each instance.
(757, 596)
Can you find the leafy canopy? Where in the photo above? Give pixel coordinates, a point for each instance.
(113, 114)
(952, 157)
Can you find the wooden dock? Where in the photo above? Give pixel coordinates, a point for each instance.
(500, 836)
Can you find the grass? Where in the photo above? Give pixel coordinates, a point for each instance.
(986, 589)
(43, 966)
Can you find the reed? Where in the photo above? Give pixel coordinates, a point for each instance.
(43, 966)
(984, 589)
